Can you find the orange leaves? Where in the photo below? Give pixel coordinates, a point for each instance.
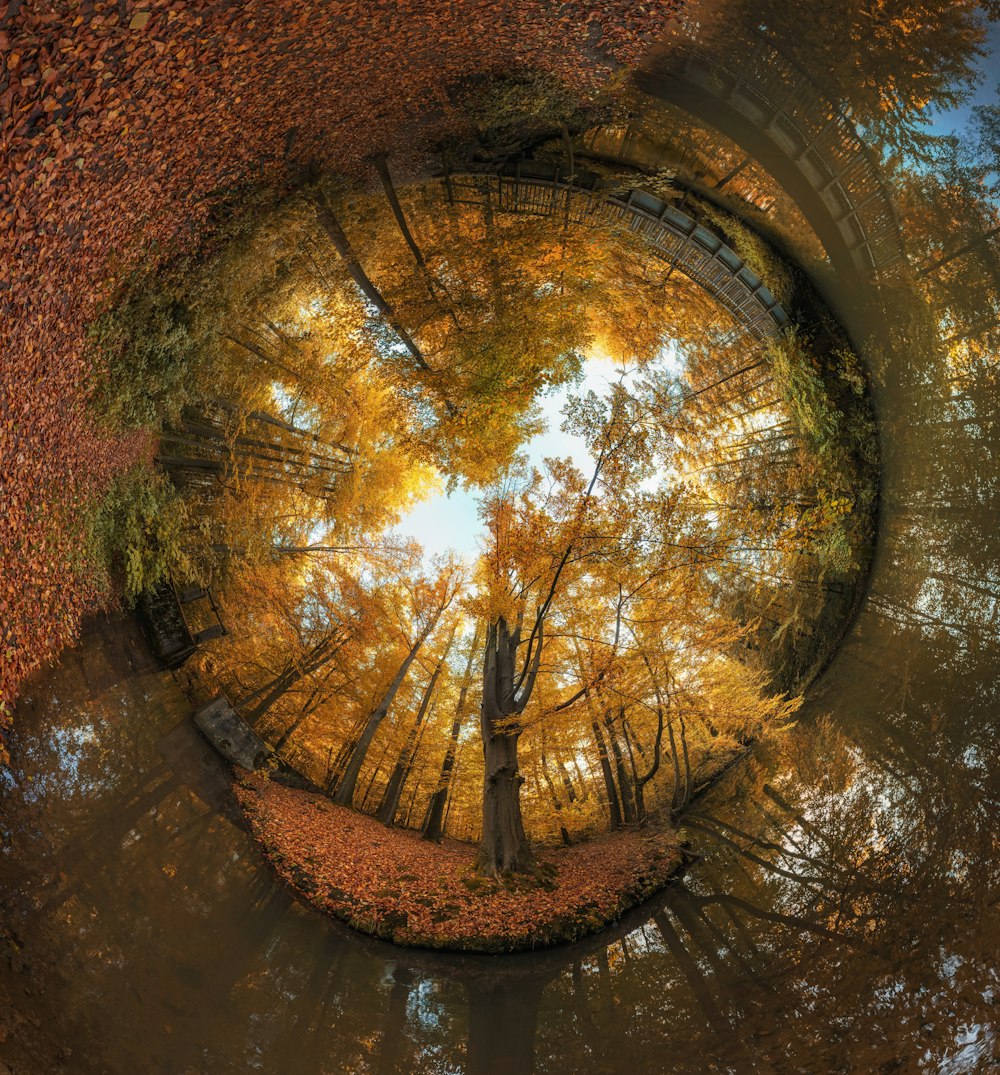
(394, 884)
(118, 130)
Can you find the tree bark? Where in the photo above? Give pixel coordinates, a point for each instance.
(345, 790)
(307, 710)
(614, 809)
(315, 658)
(508, 682)
(567, 780)
(504, 847)
(394, 789)
(335, 233)
(628, 806)
(556, 801)
(434, 824)
(434, 287)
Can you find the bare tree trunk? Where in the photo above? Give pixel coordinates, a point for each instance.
(336, 765)
(451, 798)
(504, 847)
(394, 789)
(307, 710)
(434, 824)
(314, 659)
(628, 806)
(345, 791)
(556, 801)
(409, 808)
(567, 780)
(584, 792)
(640, 810)
(376, 772)
(687, 762)
(614, 809)
(676, 801)
(434, 288)
(335, 233)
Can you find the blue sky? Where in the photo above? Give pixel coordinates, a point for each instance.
(987, 92)
(442, 523)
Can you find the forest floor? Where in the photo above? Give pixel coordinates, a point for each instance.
(393, 884)
(127, 133)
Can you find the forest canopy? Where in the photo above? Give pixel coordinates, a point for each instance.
(506, 484)
(633, 613)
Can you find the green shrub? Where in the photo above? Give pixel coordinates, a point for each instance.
(799, 381)
(137, 528)
(754, 250)
(143, 362)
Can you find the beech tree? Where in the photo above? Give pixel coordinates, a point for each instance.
(520, 568)
(428, 600)
(433, 828)
(621, 617)
(390, 800)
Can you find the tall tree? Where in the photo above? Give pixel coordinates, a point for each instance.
(386, 812)
(434, 824)
(338, 237)
(519, 569)
(438, 597)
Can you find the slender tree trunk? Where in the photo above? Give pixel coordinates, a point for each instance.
(345, 791)
(451, 798)
(628, 807)
(556, 801)
(409, 807)
(376, 772)
(661, 705)
(435, 288)
(390, 800)
(637, 799)
(335, 233)
(614, 809)
(434, 824)
(584, 793)
(389, 188)
(676, 801)
(307, 711)
(567, 780)
(687, 762)
(336, 767)
(386, 812)
(266, 696)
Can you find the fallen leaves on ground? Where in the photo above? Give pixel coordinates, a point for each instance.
(392, 883)
(123, 126)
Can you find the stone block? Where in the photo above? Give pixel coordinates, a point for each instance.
(230, 735)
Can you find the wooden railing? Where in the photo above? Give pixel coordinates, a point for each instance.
(536, 187)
